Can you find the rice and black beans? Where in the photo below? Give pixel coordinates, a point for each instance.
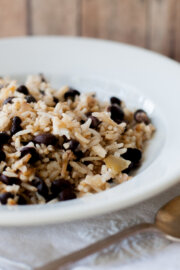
(57, 145)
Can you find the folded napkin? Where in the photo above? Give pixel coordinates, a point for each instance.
(34, 246)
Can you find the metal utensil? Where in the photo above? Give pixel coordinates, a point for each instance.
(167, 223)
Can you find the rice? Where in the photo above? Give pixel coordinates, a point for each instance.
(61, 144)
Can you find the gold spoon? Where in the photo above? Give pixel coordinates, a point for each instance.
(167, 223)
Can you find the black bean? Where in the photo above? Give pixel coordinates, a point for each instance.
(24, 143)
(2, 156)
(22, 200)
(82, 121)
(71, 93)
(86, 162)
(9, 180)
(4, 138)
(4, 168)
(56, 100)
(16, 125)
(73, 144)
(46, 138)
(59, 185)
(30, 99)
(65, 139)
(115, 100)
(66, 194)
(69, 168)
(133, 154)
(5, 196)
(110, 181)
(8, 100)
(41, 186)
(117, 114)
(50, 197)
(23, 89)
(79, 154)
(94, 122)
(32, 151)
(140, 116)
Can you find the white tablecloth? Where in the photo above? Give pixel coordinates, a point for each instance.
(34, 246)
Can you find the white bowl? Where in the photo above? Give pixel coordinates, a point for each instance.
(142, 78)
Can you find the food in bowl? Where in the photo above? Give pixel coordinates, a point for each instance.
(58, 145)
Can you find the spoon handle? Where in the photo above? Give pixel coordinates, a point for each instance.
(97, 246)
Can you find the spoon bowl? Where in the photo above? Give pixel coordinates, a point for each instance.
(168, 219)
